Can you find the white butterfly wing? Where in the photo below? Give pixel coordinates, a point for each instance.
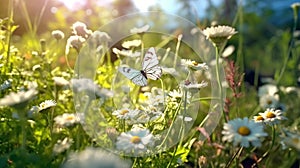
(150, 65)
(134, 75)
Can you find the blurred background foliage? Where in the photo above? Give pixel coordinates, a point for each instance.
(264, 26)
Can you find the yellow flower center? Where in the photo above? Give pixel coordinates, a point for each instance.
(269, 102)
(270, 115)
(70, 118)
(135, 139)
(123, 112)
(194, 63)
(259, 118)
(243, 130)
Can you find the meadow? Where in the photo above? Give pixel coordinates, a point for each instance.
(101, 86)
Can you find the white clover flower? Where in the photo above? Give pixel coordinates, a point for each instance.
(67, 119)
(272, 116)
(131, 43)
(269, 101)
(47, 104)
(88, 86)
(125, 113)
(74, 42)
(60, 81)
(140, 30)
(193, 64)
(137, 141)
(81, 29)
(219, 34)
(95, 158)
(58, 34)
(268, 89)
(19, 99)
(243, 132)
(126, 53)
(62, 145)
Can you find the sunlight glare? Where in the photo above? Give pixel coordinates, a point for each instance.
(73, 4)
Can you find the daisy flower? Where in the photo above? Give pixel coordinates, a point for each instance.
(132, 43)
(272, 116)
(243, 132)
(47, 104)
(267, 89)
(60, 81)
(19, 99)
(187, 85)
(125, 113)
(126, 53)
(67, 119)
(95, 158)
(193, 64)
(219, 34)
(292, 140)
(140, 30)
(62, 145)
(90, 88)
(269, 101)
(135, 141)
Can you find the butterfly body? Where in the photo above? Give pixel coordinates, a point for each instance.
(150, 69)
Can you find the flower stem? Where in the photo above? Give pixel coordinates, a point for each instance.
(219, 82)
(238, 153)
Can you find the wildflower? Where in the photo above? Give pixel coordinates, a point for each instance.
(243, 132)
(95, 158)
(140, 30)
(62, 146)
(269, 101)
(272, 116)
(58, 35)
(292, 140)
(295, 6)
(47, 104)
(187, 85)
(99, 37)
(126, 53)
(88, 85)
(194, 65)
(258, 119)
(132, 43)
(219, 34)
(135, 141)
(268, 89)
(228, 51)
(81, 29)
(60, 81)
(125, 113)
(66, 120)
(74, 42)
(18, 100)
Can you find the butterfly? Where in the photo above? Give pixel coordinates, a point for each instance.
(150, 69)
